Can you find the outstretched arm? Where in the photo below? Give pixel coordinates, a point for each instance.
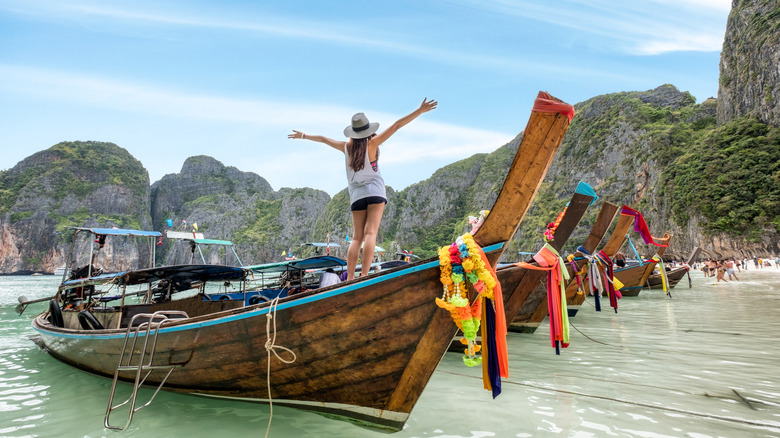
(339, 145)
(425, 106)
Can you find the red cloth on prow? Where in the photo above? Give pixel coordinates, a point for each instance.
(545, 103)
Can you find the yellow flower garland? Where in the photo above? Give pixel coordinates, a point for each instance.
(462, 263)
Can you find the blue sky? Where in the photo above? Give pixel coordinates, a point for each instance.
(167, 80)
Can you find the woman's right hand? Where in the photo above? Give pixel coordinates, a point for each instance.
(296, 134)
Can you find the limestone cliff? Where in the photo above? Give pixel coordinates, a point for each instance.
(749, 74)
(82, 184)
(660, 152)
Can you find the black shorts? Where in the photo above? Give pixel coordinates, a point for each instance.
(362, 204)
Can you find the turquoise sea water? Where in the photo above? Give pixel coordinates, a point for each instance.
(701, 364)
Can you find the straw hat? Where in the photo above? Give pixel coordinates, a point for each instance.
(360, 127)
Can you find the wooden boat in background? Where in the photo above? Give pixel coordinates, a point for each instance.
(574, 299)
(517, 283)
(635, 277)
(674, 275)
(535, 308)
(364, 349)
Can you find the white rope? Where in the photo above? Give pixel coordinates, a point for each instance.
(270, 347)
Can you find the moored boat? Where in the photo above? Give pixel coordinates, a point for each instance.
(517, 283)
(674, 275)
(576, 293)
(635, 277)
(362, 350)
(535, 309)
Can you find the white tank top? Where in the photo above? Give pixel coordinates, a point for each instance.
(365, 183)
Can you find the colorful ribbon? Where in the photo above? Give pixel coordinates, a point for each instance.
(640, 226)
(494, 331)
(605, 265)
(633, 248)
(664, 278)
(595, 285)
(549, 260)
(688, 273)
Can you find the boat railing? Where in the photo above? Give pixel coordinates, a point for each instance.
(149, 324)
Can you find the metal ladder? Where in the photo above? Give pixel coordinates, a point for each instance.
(149, 324)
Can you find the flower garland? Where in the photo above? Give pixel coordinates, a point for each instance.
(460, 263)
(549, 233)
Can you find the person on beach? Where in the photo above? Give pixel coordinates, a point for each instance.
(730, 270)
(366, 186)
(720, 272)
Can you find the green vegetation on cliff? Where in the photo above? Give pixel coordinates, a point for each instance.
(73, 169)
(265, 225)
(732, 177)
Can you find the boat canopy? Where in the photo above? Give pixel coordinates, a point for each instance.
(197, 239)
(176, 273)
(110, 277)
(321, 244)
(212, 242)
(120, 232)
(182, 272)
(316, 262)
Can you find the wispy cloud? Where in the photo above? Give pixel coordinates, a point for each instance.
(421, 141)
(355, 36)
(647, 28)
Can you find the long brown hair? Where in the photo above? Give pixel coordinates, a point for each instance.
(356, 149)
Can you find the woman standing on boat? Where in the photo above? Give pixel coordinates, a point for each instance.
(366, 187)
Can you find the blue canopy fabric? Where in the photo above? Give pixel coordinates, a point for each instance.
(317, 262)
(175, 272)
(121, 232)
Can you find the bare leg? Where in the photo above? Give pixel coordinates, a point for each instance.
(358, 234)
(371, 229)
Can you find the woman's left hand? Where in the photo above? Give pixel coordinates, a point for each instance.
(296, 134)
(427, 105)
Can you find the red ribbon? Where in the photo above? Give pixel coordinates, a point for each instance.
(640, 226)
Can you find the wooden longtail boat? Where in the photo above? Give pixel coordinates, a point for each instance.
(535, 309)
(674, 275)
(364, 349)
(615, 241)
(635, 277)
